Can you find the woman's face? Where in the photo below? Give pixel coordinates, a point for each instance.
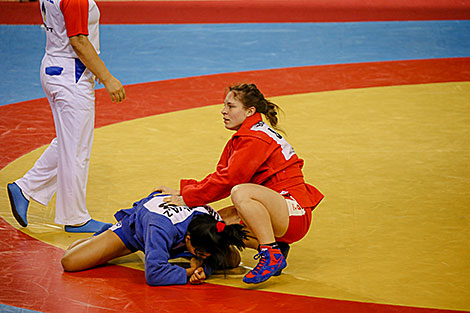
(234, 112)
(195, 251)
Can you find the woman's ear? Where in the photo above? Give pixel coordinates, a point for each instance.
(250, 111)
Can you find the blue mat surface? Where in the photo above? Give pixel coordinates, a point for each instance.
(145, 53)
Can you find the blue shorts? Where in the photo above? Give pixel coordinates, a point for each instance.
(117, 229)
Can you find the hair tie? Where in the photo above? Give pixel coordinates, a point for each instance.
(220, 227)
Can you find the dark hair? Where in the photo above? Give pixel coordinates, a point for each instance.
(250, 96)
(207, 237)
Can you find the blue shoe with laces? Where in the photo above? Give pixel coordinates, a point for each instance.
(271, 262)
(91, 226)
(19, 204)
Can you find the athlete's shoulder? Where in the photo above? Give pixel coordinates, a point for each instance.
(263, 128)
(207, 209)
(259, 130)
(175, 213)
(274, 138)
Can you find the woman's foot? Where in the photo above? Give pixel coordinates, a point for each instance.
(271, 262)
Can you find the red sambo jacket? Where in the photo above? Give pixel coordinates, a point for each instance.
(255, 154)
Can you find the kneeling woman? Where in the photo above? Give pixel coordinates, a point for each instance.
(263, 175)
(162, 232)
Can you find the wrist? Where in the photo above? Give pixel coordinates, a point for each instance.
(190, 271)
(105, 78)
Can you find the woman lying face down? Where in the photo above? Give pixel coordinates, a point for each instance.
(163, 232)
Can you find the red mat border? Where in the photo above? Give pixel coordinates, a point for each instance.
(261, 11)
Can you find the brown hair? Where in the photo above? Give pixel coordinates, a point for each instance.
(250, 96)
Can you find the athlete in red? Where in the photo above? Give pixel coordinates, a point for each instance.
(261, 172)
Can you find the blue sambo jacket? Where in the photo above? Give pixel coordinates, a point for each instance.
(158, 229)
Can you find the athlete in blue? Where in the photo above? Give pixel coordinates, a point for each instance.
(163, 231)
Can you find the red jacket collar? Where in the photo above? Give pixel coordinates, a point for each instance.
(250, 121)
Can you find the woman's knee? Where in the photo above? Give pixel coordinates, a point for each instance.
(70, 259)
(68, 262)
(240, 193)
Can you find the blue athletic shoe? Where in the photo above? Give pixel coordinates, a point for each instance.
(91, 226)
(19, 204)
(271, 262)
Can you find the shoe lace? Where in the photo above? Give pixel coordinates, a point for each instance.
(261, 255)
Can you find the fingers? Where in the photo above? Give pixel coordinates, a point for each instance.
(198, 276)
(176, 200)
(115, 89)
(194, 281)
(119, 95)
(167, 190)
(173, 195)
(162, 189)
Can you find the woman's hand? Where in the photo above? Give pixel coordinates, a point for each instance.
(175, 200)
(174, 195)
(197, 277)
(168, 191)
(195, 272)
(114, 88)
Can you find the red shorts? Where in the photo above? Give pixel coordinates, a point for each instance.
(299, 220)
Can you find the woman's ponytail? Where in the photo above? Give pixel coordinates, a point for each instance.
(216, 237)
(234, 234)
(271, 113)
(251, 96)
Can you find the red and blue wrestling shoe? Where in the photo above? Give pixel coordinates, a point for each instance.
(270, 264)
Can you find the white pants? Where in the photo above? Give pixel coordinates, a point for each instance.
(63, 167)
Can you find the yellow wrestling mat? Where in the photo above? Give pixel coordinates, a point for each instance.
(393, 162)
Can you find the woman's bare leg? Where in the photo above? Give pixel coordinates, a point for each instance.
(230, 216)
(263, 210)
(93, 251)
(76, 243)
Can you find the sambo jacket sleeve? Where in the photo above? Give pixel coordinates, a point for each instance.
(237, 165)
(158, 271)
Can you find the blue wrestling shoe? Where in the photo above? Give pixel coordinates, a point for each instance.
(91, 226)
(19, 204)
(271, 262)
